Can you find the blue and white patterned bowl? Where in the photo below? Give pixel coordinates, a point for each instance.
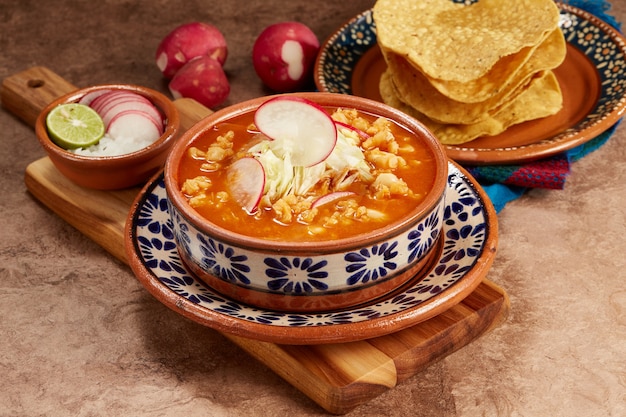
(308, 276)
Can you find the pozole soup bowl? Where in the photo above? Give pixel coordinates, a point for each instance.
(303, 275)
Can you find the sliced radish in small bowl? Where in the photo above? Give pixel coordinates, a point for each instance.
(246, 181)
(331, 197)
(114, 107)
(135, 125)
(97, 103)
(91, 96)
(305, 130)
(115, 96)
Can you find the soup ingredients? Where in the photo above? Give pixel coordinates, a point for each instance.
(202, 79)
(246, 180)
(332, 197)
(241, 178)
(74, 125)
(300, 129)
(341, 125)
(283, 56)
(188, 41)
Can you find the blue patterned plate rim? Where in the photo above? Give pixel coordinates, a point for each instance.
(470, 239)
(601, 44)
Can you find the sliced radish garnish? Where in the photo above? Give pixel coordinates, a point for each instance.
(329, 198)
(305, 130)
(114, 97)
(113, 107)
(246, 181)
(89, 97)
(100, 102)
(135, 125)
(362, 134)
(102, 99)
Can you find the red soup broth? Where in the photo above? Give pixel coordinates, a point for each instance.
(419, 174)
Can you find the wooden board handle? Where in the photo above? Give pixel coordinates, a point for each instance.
(25, 94)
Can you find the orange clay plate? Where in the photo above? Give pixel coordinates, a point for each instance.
(592, 79)
(465, 255)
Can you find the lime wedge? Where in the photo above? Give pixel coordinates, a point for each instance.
(74, 126)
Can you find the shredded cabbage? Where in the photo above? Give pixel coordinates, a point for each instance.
(347, 155)
(283, 178)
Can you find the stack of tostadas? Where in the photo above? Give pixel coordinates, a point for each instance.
(468, 71)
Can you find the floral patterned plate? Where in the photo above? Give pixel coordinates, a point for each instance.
(592, 79)
(467, 251)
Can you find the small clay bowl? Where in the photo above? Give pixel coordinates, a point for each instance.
(112, 172)
(245, 268)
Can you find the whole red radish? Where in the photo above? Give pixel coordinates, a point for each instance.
(283, 56)
(202, 79)
(189, 41)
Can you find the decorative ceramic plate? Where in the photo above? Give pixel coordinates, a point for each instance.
(467, 251)
(592, 79)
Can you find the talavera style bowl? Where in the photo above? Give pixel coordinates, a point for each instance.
(274, 274)
(112, 172)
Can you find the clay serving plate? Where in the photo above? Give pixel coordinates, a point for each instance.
(592, 79)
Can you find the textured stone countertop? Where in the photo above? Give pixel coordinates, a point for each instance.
(80, 336)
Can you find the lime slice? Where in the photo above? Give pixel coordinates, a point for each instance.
(74, 126)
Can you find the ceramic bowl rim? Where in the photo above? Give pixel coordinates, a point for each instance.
(430, 203)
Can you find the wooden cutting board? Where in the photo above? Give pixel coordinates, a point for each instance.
(338, 377)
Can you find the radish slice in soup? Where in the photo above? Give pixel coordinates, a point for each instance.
(329, 198)
(246, 181)
(362, 134)
(300, 128)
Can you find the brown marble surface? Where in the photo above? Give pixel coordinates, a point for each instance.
(79, 336)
